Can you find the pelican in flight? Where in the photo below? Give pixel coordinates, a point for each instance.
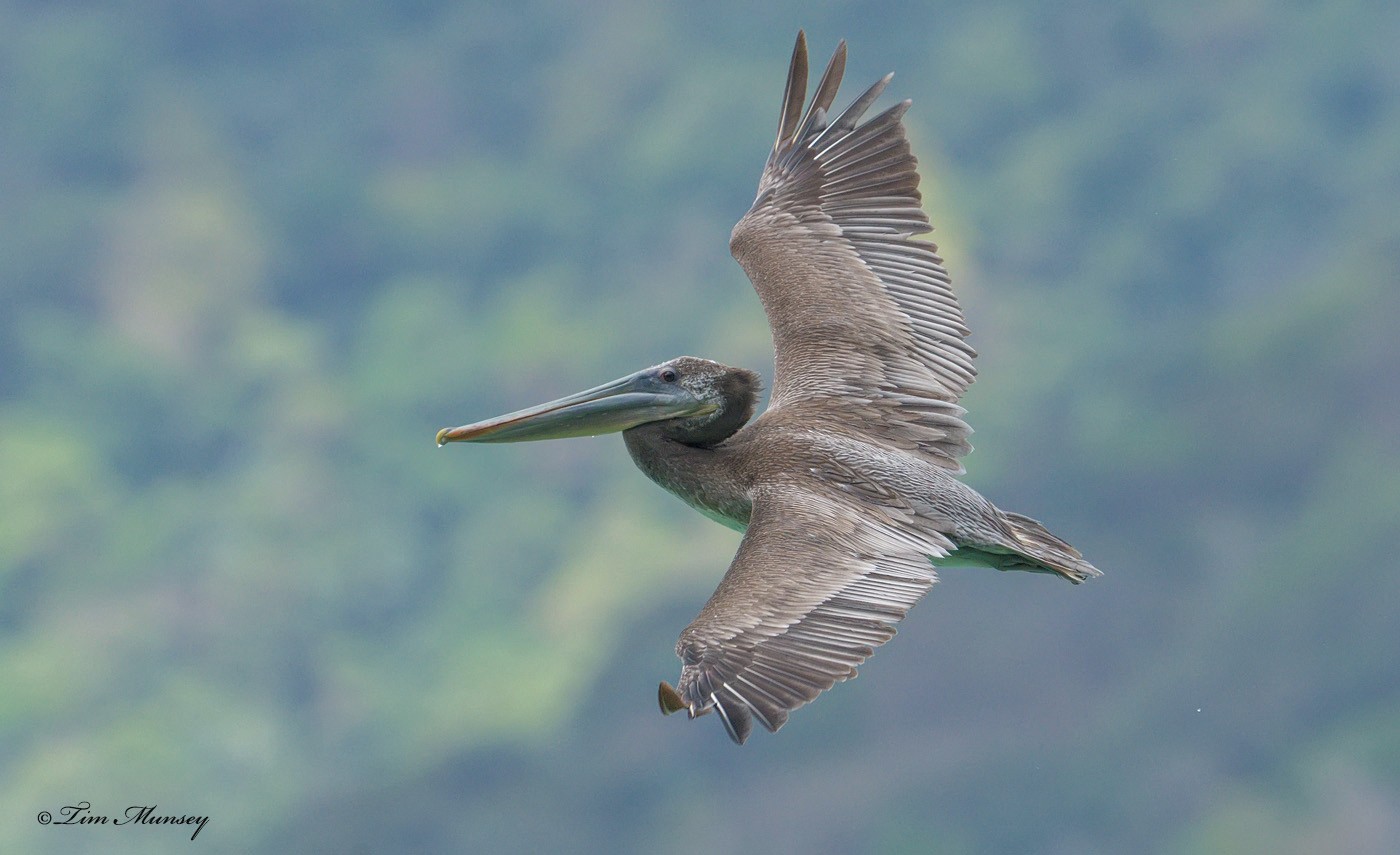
(846, 487)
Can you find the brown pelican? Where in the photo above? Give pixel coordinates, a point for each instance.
(845, 487)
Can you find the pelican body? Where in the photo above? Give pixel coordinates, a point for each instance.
(846, 487)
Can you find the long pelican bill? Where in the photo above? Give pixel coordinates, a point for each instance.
(612, 407)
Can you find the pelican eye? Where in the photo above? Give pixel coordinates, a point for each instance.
(669, 375)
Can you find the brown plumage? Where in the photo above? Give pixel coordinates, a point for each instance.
(845, 487)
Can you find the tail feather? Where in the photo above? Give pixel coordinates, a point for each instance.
(1047, 550)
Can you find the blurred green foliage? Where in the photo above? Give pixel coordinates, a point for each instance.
(253, 255)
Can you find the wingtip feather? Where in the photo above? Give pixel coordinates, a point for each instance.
(738, 722)
(795, 93)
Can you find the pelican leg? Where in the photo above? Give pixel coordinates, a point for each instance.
(669, 699)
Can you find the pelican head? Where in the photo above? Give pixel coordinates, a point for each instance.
(701, 401)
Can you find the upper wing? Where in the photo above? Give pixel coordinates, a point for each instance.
(862, 316)
(816, 585)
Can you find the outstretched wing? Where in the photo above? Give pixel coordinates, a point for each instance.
(816, 586)
(863, 317)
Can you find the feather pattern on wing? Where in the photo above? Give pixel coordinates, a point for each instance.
(863, 316)
(818, 583)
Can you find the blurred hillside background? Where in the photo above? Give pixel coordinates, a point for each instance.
(253, 255)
